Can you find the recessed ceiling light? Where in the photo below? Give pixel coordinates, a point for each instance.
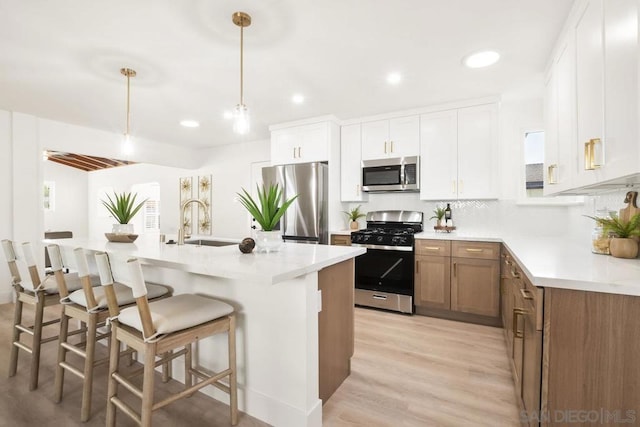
(190, 123)
(297, 98)
(394, 78)
(481, 59)
(228, 115)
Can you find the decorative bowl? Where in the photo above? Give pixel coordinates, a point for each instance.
(121, 237)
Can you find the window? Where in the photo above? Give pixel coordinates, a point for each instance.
(152, 215)
(534, 163)
(148, 218)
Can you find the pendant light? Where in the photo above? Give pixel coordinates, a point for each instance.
(127, 146)
(241, 122)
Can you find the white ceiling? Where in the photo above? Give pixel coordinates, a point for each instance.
(61, 59)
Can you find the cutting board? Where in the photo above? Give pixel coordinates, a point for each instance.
(631, 209)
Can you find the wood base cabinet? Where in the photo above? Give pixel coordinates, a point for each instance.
(458, 280)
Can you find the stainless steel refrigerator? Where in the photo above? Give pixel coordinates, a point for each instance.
(306, 220)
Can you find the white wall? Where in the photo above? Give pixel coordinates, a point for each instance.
(6, 195)
(71, 203)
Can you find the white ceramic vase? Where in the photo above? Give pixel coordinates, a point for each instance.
(122, 229)
(268, 241)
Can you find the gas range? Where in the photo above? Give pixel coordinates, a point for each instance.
(391, 230)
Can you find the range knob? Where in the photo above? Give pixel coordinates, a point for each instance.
(380, 239)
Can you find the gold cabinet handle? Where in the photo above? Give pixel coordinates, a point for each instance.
(474, 250)
(517, 312)
(461, 186)
(455, 269)
(294, 152)
(417, 267)
(526, 294)
(515, 273)
(430, 248)
(391, 144)
(299, 152)
(591, 161)
(385, 147)
(552, 174)
(508, 262)
(588, 161)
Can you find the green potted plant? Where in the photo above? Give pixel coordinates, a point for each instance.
(353, 215)
(267, 211)
(622, 244)
(123, 208)
(438, 214)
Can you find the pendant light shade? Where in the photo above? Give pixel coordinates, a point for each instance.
(241, 123)
(127, 145)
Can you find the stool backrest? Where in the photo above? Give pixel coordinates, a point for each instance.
(106, 280)
(30, 260)
(55, 258)
(10, 255)
(85, 279)
(140, 294)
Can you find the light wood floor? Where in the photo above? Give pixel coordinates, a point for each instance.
(406, 371)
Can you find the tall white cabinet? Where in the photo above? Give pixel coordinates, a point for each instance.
(458, 153)
(350, 164)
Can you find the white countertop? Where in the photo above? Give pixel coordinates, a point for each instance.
(559, 263)
(292, 259)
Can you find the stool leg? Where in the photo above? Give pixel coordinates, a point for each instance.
(37, 341)
(147, 384)
(112, 389)
(233, 378)
(90, 353)
(166, 368)
(17, 319)
(62, 354)
(188, 378)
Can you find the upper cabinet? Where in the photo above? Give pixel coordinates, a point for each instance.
(302, 144)
(350, 164)
(458, 153)
(591, 99)
(398, 137)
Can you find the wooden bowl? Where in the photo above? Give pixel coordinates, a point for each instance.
(121, 238)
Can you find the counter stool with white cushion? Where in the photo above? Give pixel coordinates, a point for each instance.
(35, 292)
(89, 306)
(157, 328)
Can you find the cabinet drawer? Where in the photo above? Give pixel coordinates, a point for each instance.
(433, 247)
(341, 240)
(478, 250)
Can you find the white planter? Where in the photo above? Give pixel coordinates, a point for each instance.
(268, 241)
(122, 228)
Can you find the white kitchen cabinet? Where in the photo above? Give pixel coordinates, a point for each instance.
(301, 144)
(459, 153)
(560, 129)
(398, 137)
(351, 164)
(589, 87)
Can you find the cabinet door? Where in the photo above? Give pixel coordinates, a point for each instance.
(621, 82)
(589, 85)
(439, 155)
(551, 133)
(341, 240)
(477, 152)
(432, 282)
(475, 286)
(284, 144)
(404, 136)
(566, 115)
(351, 165)
(375, 140)
(518, 335)
(313, 145)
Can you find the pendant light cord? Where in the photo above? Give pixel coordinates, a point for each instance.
(128, 103)
(241, 65)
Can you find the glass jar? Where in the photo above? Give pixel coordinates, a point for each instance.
(599, 241)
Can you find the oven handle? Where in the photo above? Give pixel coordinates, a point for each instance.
(376, 296)
(387, 248)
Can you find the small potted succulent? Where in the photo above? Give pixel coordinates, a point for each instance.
(353, 215)
(123, 208)
(438, 215)
(622, 244)
(267, 211)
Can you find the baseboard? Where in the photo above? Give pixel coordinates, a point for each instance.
(460, 317)
(6, 297)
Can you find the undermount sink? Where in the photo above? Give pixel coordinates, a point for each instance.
(204, 242)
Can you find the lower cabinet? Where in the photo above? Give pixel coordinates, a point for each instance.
(341, 239)
(459, 280)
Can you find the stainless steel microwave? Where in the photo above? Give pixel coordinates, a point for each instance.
(397, 174)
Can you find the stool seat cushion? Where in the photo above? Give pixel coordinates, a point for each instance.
(124, 295)
(51, 287)
(177, 313)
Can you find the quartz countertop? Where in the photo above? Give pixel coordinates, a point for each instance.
(292, 259)
(556, 262)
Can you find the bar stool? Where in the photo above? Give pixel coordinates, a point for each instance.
(38, 294)
(157, 328)
(89, 306)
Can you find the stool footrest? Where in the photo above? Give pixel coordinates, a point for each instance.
(77, 331)
(74, 349)
(127, 410)
(127, 384)
(49, 339)
(205, 376)
(51, 322)
(73, 370)
(25, 329)
(191, 390)
(23, 346)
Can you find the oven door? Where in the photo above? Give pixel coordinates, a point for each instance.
(385, 271)
(382, 178)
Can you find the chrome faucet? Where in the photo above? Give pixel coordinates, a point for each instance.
(186, 203)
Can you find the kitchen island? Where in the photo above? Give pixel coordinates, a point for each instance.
(294, 317)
